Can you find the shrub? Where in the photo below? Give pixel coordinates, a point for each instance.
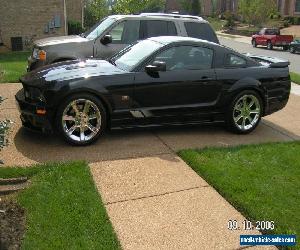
(296, 20)
(74, 28)
(4, 126)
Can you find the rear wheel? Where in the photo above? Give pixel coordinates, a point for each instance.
(286, 47)
(269, 45)
(254, 44)
(81, 119)
(244, 113)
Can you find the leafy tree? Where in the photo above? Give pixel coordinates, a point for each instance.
(256, 11)
(138, 6)
(191, 6)
(196, 8)
(95, 11)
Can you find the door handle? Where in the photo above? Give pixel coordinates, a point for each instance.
(206, 78)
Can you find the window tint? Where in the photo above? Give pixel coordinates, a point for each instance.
(159, 28)
(201, 31)
(272, 32)
(126, 32)
(186, 57)
(235, 61)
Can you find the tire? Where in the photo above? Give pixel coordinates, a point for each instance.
(286, 47)
(292, 50)
(269, 45)
(238, 117)
(254, 44)
(81, 119)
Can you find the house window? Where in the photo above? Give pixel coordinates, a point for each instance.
(297, 7)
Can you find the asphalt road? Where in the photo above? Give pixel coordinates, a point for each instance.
(276, 52)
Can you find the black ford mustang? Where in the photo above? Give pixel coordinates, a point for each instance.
(158, 81)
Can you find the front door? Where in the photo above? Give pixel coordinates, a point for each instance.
(123, 33)
(186, 90)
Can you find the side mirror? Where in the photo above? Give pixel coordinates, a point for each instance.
(156, 66)
(106, 39)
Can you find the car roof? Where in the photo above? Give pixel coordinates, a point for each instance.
(165, 40)
(161, 16)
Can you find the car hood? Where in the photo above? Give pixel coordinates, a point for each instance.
(70, 70)
(59, 40)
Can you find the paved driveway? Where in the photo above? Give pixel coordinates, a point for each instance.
(154, 200)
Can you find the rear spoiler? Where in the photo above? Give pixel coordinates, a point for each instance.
(272, 62)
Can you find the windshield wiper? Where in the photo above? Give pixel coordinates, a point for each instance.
(111, 61)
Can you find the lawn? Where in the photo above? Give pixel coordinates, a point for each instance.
(261, 181)
(216, 23)
(63, 208)
(295, 77)
(12, 66)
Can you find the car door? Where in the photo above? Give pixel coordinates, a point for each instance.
(123, 33)
(186, 89)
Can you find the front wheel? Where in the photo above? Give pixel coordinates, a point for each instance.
(81, 119)
(244, 113)
(254, 44)
(292, 50)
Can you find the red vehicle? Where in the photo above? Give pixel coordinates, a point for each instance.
(272, 38)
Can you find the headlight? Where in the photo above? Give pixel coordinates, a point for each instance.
(34, 94)
(39, 54)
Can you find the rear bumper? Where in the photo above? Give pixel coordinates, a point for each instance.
(29, 117)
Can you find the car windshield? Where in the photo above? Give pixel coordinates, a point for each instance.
(99, 28)
(131, 56)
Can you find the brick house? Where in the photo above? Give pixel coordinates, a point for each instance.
(289, 7)
(23, 21)
(207, 6)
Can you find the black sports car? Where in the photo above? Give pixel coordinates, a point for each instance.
(158, 81)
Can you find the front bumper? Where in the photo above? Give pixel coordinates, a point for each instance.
(29, 117)
(33, 64)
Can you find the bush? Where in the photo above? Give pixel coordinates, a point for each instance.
(4, 126)
(296, 20)
(74, 28)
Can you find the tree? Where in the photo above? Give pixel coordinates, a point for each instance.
(95, 10)
(256, 11)
(191, 6)
(138, 6)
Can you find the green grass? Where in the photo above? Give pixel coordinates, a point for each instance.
(295, 77)
(216, 23)
(261, 181)
(63, 208)
(12, 66)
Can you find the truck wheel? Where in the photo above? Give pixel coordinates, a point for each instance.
(269, 45)
(244, 113)
(286, 47)
(254, 44)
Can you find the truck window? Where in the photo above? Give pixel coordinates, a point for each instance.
(155, 28)
(125, 32)
(201, 31)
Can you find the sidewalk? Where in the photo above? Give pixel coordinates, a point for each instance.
(238, 38)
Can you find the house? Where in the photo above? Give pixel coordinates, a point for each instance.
(208, 7)
(289, 7)
(23, 21)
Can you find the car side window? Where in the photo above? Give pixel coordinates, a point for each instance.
(186, 57)
(201, 31)
(155, 28)
(125, 32)
(235, 61)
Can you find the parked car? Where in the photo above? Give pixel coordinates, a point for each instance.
(272, 38)
(295, 46)
(157, 81)
(115, 33)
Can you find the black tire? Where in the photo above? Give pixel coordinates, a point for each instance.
(286, 47)
(292, 50)
(102, 118)
(230, 122)
(269, 45)
(254, 44)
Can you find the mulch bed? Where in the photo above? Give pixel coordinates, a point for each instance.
(12, 224)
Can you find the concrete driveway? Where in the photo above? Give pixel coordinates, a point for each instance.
(154, 200)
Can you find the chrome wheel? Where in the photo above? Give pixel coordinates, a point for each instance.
(81, 120)
(246, 112)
